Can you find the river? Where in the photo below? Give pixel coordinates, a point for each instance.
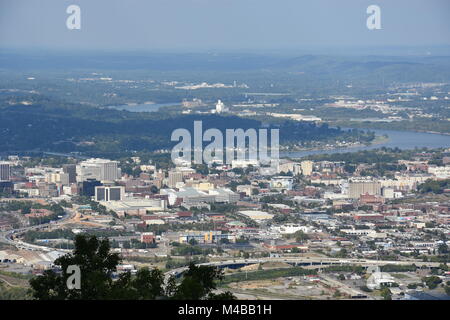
(401, 139)
(396, 139)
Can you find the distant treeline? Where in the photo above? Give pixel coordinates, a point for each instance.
(434, 186)
(48, 125)
(377, 156)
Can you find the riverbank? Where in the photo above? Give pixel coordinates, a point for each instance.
(378, 140)
(396, 139)
(420, 126)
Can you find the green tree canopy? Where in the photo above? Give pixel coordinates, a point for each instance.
(98, 265)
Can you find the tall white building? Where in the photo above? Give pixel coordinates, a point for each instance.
(99, 169)
(220, 107)
(307, 167)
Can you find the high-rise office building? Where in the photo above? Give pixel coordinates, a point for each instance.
(307, 167)
(99, 169)
(88, 187)
(103, 193)
(357, 188)
(5, 171)
(71, 170)
(174, 178)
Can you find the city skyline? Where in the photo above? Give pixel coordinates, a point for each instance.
(232, 150)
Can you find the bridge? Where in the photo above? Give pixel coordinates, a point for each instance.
(312, 262)
(8, 236)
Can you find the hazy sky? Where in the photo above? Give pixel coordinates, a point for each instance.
(222, 24)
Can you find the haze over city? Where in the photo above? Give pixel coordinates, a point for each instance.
(198, 25)
(225, 155)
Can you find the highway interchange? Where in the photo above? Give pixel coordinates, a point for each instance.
(10, 237)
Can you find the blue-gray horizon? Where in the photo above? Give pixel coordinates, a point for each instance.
(231, 25)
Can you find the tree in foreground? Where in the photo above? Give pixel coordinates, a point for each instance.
(97, 266)
(386, 293)
(198, 283)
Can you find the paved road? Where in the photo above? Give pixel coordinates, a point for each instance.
(6, 236)
(307, 261)
(303, 261)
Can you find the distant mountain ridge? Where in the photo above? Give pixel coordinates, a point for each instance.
(395, 68)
